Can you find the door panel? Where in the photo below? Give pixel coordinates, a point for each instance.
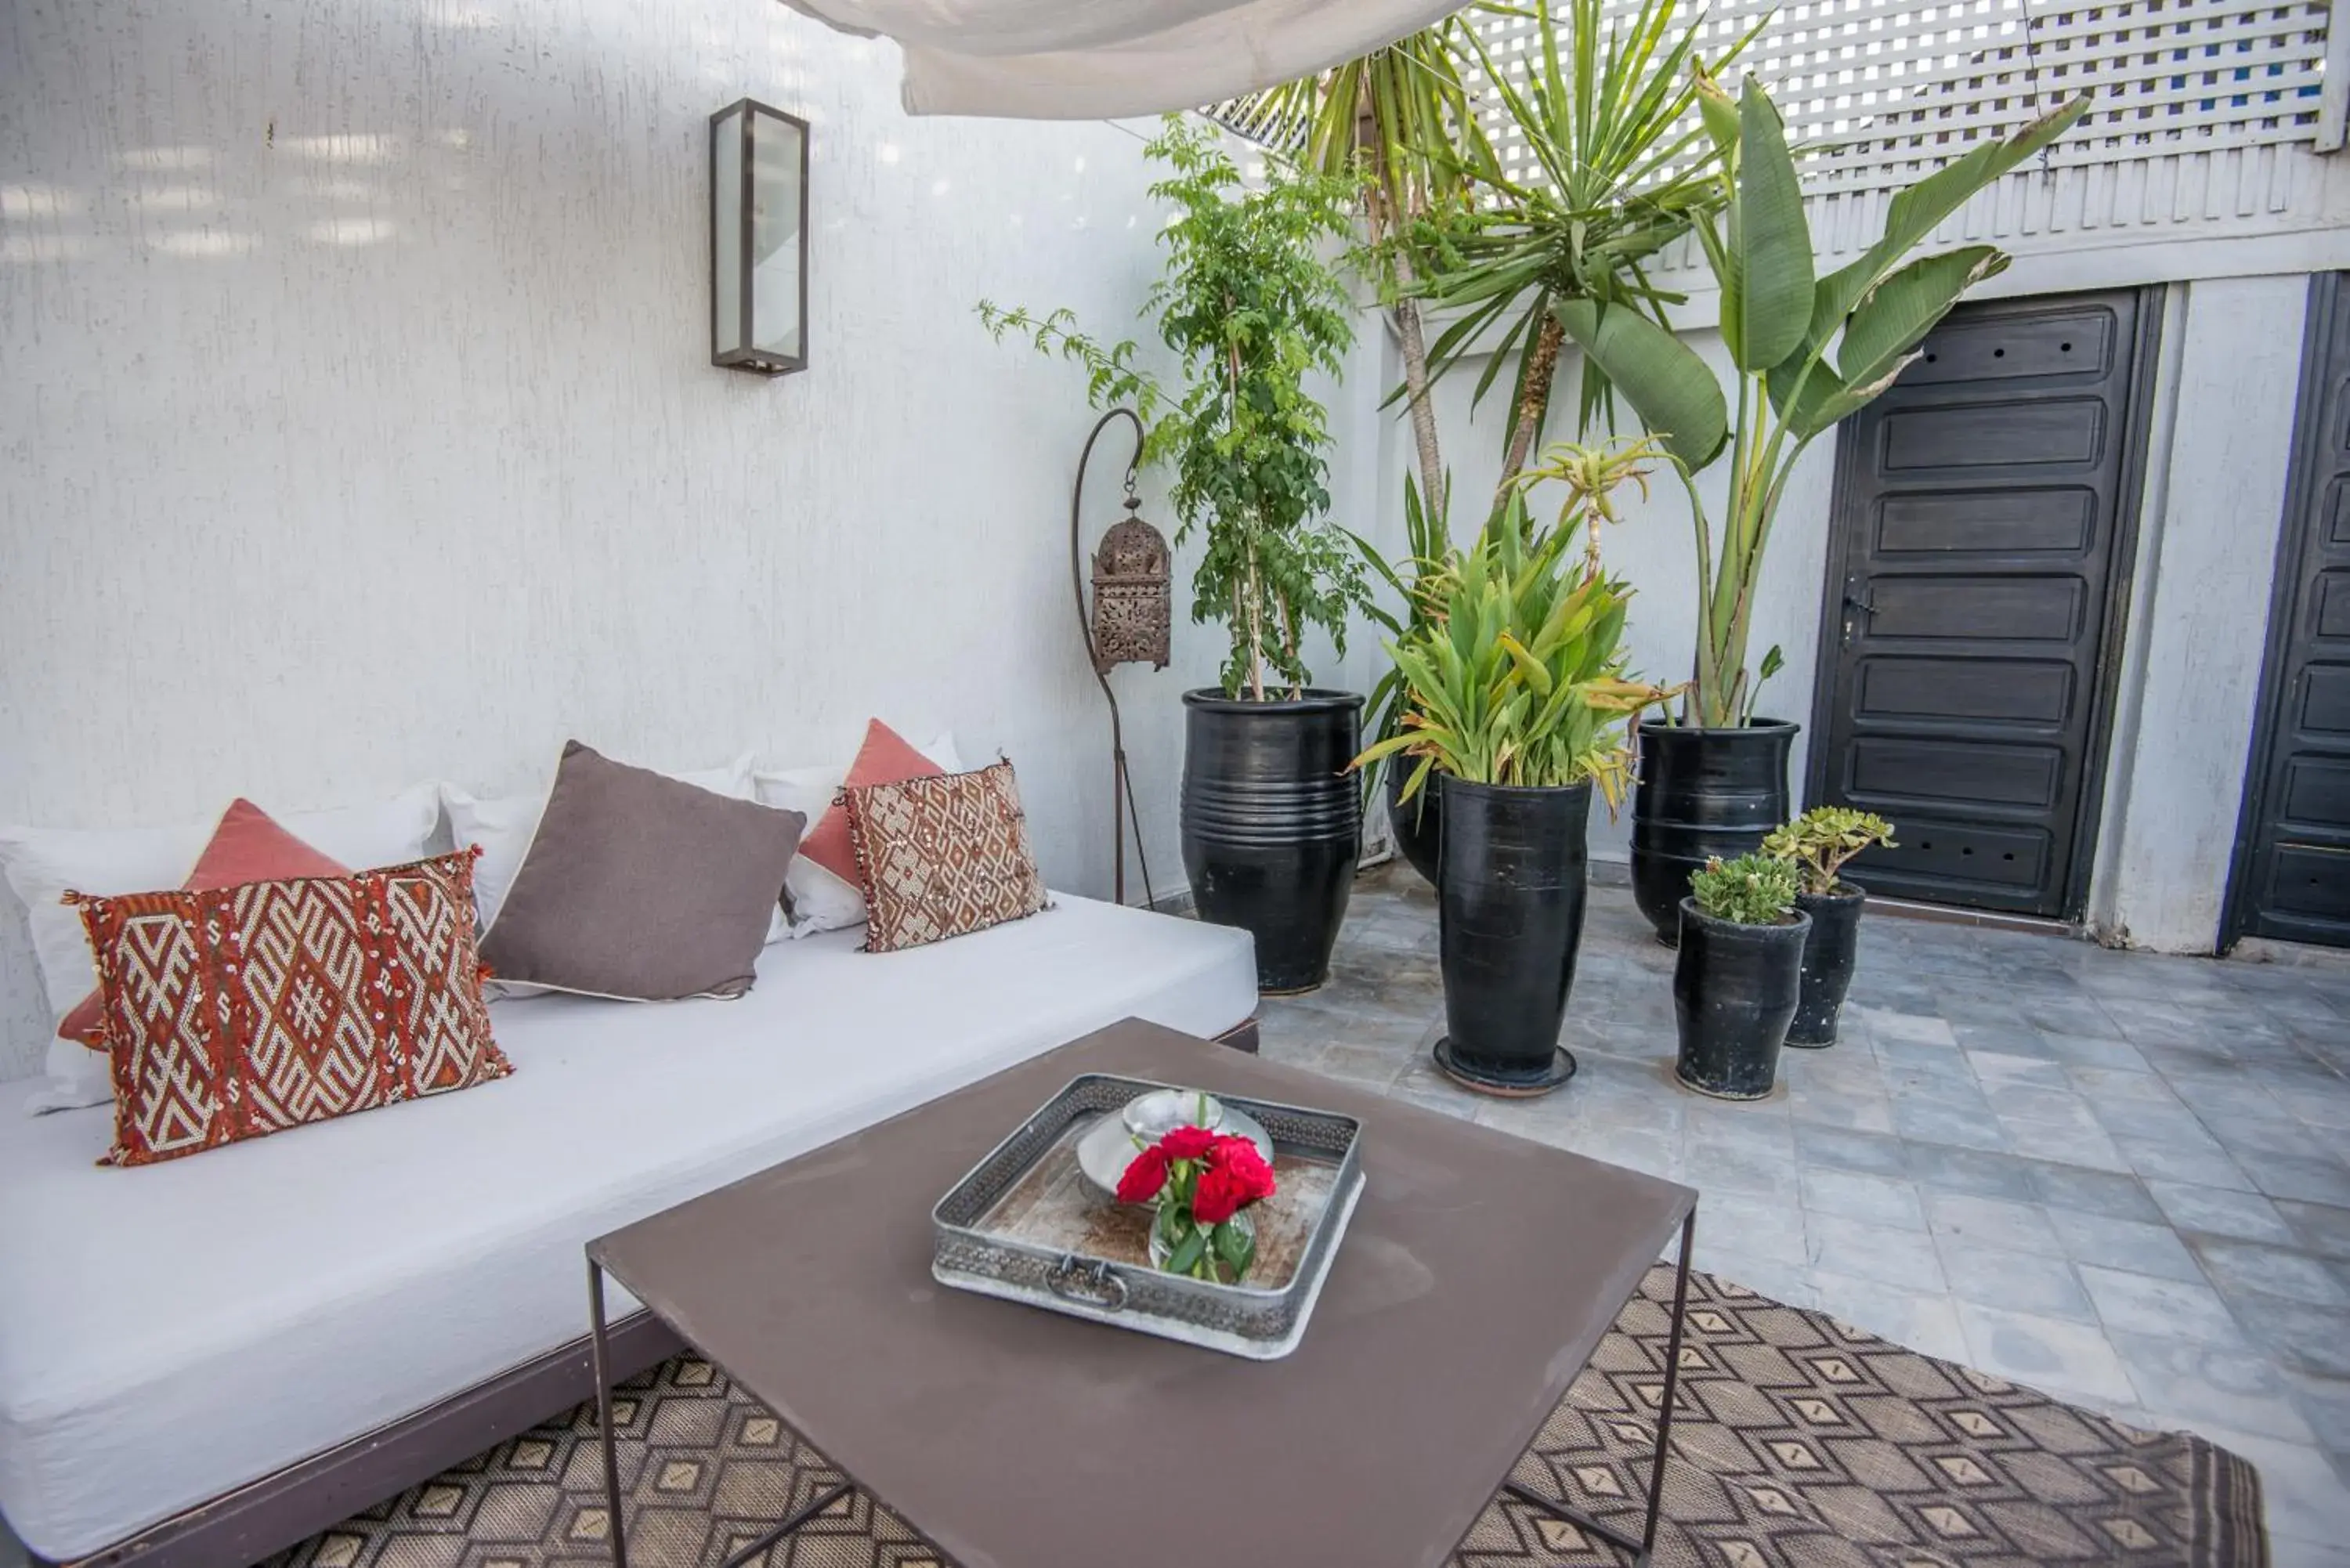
(1981, 531)
(2292, 876)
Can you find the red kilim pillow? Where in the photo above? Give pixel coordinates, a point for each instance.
(238, 1012)
(942, 856)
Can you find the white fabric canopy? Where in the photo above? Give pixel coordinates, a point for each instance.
(1097, 59)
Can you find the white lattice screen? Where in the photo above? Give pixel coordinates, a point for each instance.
(1878, 91)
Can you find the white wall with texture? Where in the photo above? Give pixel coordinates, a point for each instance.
(357, 427)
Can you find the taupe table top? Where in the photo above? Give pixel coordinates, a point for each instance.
(1479, 1272)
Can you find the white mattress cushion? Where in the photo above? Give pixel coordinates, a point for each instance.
(172, 1332)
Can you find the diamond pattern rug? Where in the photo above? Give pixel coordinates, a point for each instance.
(1800, 1443)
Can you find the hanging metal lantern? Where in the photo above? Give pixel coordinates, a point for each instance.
(1133, 594)
(1131, 618)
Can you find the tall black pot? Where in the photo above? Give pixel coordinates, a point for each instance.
(1734, 993)
(1702, 792)
(1510, 888)
(1272, 823)
(1417, 824)
(1828, 956)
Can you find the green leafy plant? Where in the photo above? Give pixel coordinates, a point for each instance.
(1251, 309)
(1428, 537)
(1755, 890)
(1618, 170)
(1823, 840)
(1517, 675)
(1806, 350)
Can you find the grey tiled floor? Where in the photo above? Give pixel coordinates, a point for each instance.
(2117, 1176)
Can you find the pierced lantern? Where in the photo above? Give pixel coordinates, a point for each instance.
(1133, 594)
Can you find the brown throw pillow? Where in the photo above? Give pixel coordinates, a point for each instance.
(640, 887)
(232, 1013)
(942, 856)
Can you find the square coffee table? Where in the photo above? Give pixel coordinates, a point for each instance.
(1478, 1274)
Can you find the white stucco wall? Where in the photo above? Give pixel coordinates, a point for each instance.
(357, 425)
(2223, 420)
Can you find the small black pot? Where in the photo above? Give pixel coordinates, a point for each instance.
(1417, 824)
(1702, 792)
(1734, 993)
(1829, 953)
(1510, 888)
(1272, 823)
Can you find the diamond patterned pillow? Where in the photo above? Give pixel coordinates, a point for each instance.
(942, 856)
(238, 1012)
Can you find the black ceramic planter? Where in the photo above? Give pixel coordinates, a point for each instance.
(1272, 823)
(1416, 824)
(1702, 792)
(1828, 956)
(1510, 888)
(1734, 993)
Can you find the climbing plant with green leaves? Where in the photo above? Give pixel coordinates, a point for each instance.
(1251, 309)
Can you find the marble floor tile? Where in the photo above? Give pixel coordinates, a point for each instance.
(2047, 1353)
(1858, 1195)
(2219, 1212)
(2012, 1280)
(2117, 1176)
(2247, 1267)
(1893, 1256)
(2161, 1308)
(1993, 1222)
(2131, 1246)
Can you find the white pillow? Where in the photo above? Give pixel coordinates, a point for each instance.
(820, 900)
(41, 863)
(503, 828)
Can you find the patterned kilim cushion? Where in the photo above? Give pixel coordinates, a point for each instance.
(942, 856)
(238, 1012)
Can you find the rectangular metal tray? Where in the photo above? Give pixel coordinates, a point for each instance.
(1026, 1226)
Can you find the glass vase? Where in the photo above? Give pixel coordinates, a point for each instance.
(1167, 1231)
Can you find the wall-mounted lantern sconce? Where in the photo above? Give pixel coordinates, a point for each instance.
(758, 239)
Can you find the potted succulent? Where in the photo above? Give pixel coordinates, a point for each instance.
(1516, 697)
(1736, 982)
(1806, 350)
(1250, 308)
(1818, 843)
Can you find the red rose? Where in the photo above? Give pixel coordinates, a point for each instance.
(1238, 1156)
(1220, 1196)
(1144, 1177)
(1187, 1143)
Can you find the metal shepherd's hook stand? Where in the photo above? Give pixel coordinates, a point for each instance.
(1122, 780)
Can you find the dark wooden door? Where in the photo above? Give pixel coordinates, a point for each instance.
(1983, 521)
(2293, 859)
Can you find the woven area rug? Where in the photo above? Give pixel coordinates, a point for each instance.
(1800, 1442)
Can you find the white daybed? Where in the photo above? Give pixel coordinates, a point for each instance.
(173, 1333)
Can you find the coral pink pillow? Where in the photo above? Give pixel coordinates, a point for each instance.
(247, 847)
(884, 758)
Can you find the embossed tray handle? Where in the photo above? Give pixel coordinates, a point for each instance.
(1094, 1285)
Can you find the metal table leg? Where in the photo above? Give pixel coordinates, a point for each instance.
(614, 1521)
(1646, 1543)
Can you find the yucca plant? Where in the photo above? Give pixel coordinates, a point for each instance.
(1399, 123)
(1517, 674)
(1618, 170)
(1806, 350)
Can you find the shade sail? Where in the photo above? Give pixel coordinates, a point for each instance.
(1093, 59)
